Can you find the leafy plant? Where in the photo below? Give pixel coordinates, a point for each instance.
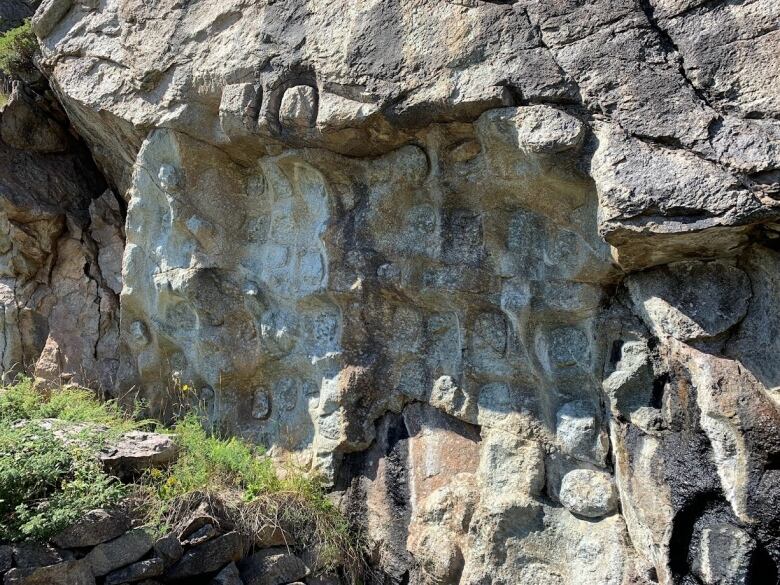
(18, 47)
(47, 483)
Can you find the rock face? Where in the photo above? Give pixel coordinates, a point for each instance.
(60, 240)
(506, 273)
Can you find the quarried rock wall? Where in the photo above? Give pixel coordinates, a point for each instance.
(506, 273)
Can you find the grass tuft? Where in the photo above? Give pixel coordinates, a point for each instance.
(46, 484)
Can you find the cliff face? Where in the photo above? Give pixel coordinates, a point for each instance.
(506, 272)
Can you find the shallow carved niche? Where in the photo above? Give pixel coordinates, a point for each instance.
(298, 108)
(240, 108)
(261, 405)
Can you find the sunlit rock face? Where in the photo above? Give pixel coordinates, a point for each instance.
(506, 274)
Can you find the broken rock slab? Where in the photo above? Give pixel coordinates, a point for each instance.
(273, 566)
(96, 527)
(120, 552)
(139, 450)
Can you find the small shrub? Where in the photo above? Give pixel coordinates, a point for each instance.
(18, 47)
(45, 485)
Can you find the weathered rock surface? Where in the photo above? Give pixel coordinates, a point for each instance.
(120, 552)
(506, 273)
(96, 527)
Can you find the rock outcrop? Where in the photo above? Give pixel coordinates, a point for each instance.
(507, 273)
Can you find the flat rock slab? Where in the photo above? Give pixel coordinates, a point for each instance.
(138, 450)
(97, 527)
(67, 573)
(273, 566)
(136, 572)
(208, 557)
(120, 552)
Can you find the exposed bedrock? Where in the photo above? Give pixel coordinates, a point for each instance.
(506, 273)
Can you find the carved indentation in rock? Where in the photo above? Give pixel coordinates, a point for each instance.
(564, 348)
(278, 331)
(286, 394)
(261, 405)
(298, 109)
(139, 333)
(240, 108)
(169, 178)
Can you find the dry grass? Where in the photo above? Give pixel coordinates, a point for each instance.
(236, 480)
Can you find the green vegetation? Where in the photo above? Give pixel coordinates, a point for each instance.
(46, 484)
(17, 50)
(254, 495)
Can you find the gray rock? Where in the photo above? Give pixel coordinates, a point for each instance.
(208, 557)
(299, 107)
(228, 576)
(120, 552)
(273, 566)
(724, 555)
(405, 276)
(169, 549)
(6, 557)
(96, 527)
(26, 126)
(588, 493)
(691, 300)
(31, 555)
(201, 535)
(136, 572)
(578, 432)
(48, 15)
(136, 451)
(67, 573)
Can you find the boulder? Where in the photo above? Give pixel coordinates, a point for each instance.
(273, 566)
(588, 493)
(96, 527)
(120, 552)
(136, 572)
(208, 557)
